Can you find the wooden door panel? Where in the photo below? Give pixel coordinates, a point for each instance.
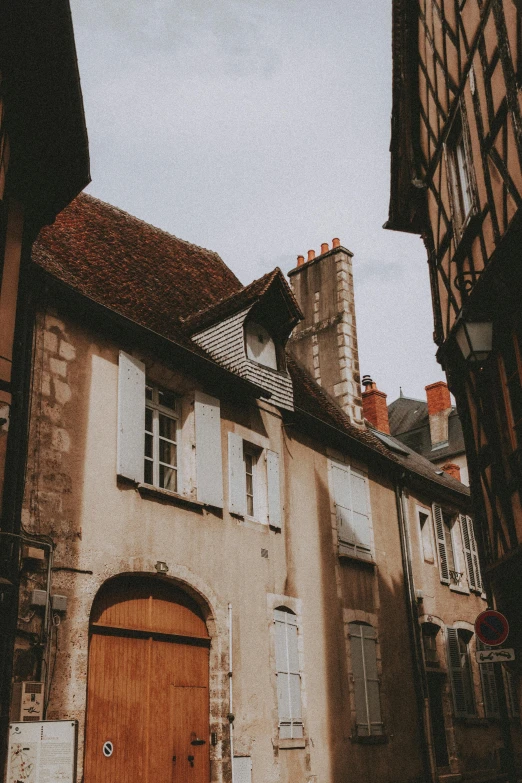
(117, 709)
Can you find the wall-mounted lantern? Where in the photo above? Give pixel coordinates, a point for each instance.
(475, 340)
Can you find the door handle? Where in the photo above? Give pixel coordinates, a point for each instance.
(191, 759)
(174, 759)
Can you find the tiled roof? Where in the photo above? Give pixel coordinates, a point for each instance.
(239, 300)
(141, 272)
(409, 422)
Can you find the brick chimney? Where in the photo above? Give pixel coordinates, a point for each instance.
(439, 409)
(325, 342)
(374, 405)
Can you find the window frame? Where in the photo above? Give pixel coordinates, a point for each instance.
(463, 692)
(460, 173)
(255, 453)
(173, 414)
(429, 532)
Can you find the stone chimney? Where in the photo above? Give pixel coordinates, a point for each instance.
(439, 409)
(374, 405)
(325, 342)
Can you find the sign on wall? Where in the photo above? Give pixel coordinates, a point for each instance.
(42, 752)
(492, 627)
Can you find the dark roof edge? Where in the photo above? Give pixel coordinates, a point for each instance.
(315, 260)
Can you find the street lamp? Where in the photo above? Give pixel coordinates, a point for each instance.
(475, 340)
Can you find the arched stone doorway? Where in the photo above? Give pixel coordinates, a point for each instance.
(148, 685)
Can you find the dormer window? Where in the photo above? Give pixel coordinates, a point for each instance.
(260, 347)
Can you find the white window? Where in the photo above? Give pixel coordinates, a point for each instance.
(254, 481)
(459, 665)
(352, 505)
(288, 674)
(260, 347)
(426, 535)
(161, 438)
(363, 647)
(470, 554)
(151, 454)
(449, 564)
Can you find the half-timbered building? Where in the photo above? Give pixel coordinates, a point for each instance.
(456, 179)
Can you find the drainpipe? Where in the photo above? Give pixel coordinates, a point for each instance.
(419, 678)
(230, 694)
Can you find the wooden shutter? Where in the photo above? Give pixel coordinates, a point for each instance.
(474, 555)
(352, 511)
(288, 675)
(361, 514)
(343, 507)
(442, 556)
(363, 646)
(236, 475)
(208, 450)
(489, 685)
(468, 555)
(456, 674)
(131, 417)
(274, 489)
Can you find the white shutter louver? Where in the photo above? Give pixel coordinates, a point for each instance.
(208, 450)
(236, 475)
(131, 417)
(474, 555)
(456, 675)
(468, 555)
(274, 489)
(442, 554)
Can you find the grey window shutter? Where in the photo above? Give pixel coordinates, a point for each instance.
(274, 489)
(131, 417)
(288, 676)
(442, 555)
(361, 513)
(208, 450)
(343, 506)
(489, 685)
(468, 554)
(363, 646)
(474, 555)
(456, 675)
(236, 474)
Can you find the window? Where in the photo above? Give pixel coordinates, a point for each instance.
(459, 665)
(352, 506)
(426, 540)
(454, 574)
(429, 642)
(489, 688)
(470, 554)
(260, 347)
(363, 646)
(448, 555)
(161, 438)
(460, 175)
(151, 454)
(254, 481)
(288, 674)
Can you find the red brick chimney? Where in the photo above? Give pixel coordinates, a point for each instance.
(439, 409)
(452, 470)
(375, 409)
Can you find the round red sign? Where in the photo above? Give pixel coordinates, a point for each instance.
(492, 627)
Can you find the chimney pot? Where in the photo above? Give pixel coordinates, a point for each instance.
(324, 248)
(452, 470)
(311, 255)
(300, 260)
(336, 242)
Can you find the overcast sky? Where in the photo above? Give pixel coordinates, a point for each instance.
(260, 129)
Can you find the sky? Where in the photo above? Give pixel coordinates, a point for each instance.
(260, 129)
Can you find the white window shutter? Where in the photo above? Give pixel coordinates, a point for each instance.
(274, 489)
(468, 555)
(208, 450)
(474, 555)
(363, 646)
(360, 511)
(456, 675)
(131, 417)
(236, 475)
(288, 676)
(343, 505)
(438, 521)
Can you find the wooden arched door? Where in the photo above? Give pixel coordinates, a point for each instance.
(147, 689)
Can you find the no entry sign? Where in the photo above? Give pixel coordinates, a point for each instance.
(491, 627)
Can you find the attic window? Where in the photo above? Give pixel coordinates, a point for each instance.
(260, 347)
